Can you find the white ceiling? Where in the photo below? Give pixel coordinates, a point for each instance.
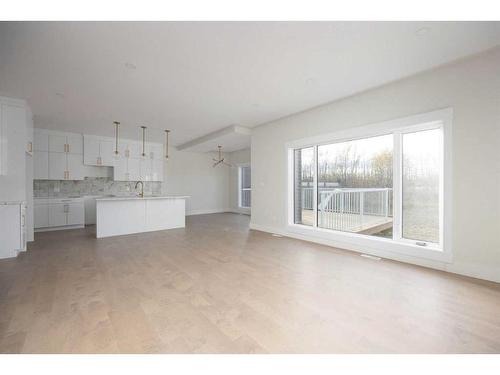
(198, 77)
(232, 138)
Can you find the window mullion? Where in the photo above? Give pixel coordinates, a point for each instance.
(315, 187)
(397, 186)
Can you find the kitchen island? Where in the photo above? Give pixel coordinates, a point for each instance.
(117, 216)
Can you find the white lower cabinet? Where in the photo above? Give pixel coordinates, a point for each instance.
(13, 228)
(41, 214)
(52, 213)
(75, 213)
(57, 215)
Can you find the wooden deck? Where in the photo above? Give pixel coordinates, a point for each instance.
(369, 224)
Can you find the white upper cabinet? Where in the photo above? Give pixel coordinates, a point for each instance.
(64, 156)
(41, 140)
(75, 168)
(130, 165)
(57, 143)
(133, 169)
(129, 149)
(156, 170)
(75, 144)
(65, 142)
(57, 166)
(120, 170)
(29, 132)
(91, 152)
(107, 152)
(145, 169)
(57, 155)
(98, 151)
(40, 165)
(154, 151)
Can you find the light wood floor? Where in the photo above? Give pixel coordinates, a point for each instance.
(216, 287)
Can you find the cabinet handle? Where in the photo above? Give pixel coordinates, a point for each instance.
(68, 146)
(30, 146)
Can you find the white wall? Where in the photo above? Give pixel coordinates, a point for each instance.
(13, 145)
(237, 158)
(472, 88)
(189, 173)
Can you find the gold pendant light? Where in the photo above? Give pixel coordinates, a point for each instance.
(166, 143)
(143, 140)
(117, 124)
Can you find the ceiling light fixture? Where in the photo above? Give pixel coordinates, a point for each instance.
(220, 160)
(143, 140)
(117, 124)
(166, 143)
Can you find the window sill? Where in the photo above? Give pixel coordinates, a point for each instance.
(381, 247)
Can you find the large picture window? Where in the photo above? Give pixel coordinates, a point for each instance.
(388, 185)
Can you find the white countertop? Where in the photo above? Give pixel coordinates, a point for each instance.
(150, 197)
(4, 203)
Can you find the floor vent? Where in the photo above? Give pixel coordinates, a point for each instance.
(370, 257)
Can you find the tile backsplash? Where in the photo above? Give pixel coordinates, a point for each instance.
(90, 186)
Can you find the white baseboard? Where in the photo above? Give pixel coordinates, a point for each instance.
(240, 212)
(66, 227)
(481, 272)
(205, 212)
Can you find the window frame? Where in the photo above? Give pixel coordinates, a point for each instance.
(441, 119)
(240, 185)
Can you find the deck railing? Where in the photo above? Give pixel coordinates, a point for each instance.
(344, 208)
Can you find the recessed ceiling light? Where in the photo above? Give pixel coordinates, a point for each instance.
(423, 31)
(130, 66)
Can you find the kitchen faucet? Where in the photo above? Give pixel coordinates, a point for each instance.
(141, 194)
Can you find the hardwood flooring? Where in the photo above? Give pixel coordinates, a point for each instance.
(216, 287)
